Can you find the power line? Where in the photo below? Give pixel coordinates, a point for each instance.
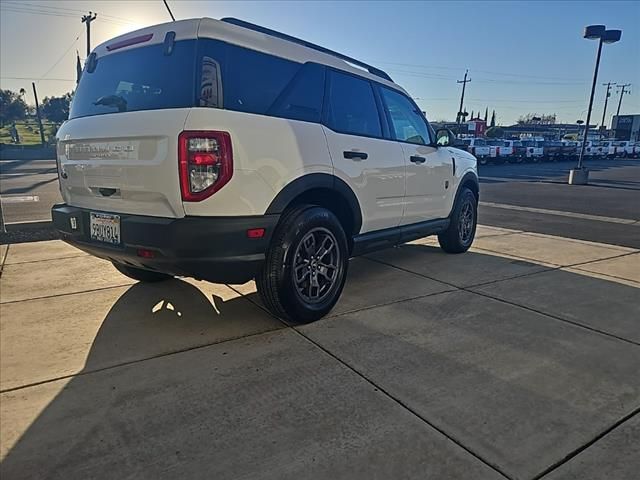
(39, 79)
(169, 10)
(74, 12)
(59, 14)
(481, 71)
(63, 55)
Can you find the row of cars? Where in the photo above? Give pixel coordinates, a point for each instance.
(538, 150)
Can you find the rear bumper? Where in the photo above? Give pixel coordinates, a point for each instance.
(216, 249)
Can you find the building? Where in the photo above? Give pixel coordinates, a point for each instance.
(626, 127)
(550, 131)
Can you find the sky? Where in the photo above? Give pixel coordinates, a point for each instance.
(522, 56)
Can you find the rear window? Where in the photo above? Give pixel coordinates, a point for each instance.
(142, 78)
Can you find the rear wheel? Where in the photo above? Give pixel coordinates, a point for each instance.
(140, 274)
(458, 237)
(306, 265)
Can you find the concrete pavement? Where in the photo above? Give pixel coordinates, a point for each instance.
(518, 360)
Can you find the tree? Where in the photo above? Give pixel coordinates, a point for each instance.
(486, 114)
(493, 119)
(12, 107)
(56, 109)
(495, 132)
(539, 119)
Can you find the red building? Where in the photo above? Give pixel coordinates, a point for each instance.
(477, 127)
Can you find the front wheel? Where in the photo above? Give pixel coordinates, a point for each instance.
(306, 265)
(458, 237)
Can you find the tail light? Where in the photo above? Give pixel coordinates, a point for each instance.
(206, 163)
(497, 151)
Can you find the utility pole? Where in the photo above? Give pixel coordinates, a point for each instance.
(35, 95)
(464, 85)
(88, 19)
(606, 100)
(622, 91)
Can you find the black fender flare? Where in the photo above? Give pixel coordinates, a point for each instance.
(469, 177)
(312, 181)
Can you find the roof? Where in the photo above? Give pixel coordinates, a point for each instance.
(253, 37)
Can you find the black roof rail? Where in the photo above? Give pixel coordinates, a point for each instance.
(284, 36)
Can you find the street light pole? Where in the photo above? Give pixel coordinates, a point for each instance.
(580, 175)
(593, 91)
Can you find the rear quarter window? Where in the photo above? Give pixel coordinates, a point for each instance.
(255, 82)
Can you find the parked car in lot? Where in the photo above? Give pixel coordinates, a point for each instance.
(479, 148)
(286, 160)
(558, 150)
(623, 148)
(534, 149)
(597, 148)
(500, 151)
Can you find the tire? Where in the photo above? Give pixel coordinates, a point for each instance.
(141, 275)
(482, 160)
(284, 284)
(458, 237)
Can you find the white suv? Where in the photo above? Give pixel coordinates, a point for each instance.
(225, 151)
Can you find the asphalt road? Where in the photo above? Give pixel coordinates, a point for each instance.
(531, 197)
(536, 198)
(28, 188)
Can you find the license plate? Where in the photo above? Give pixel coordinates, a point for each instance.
(105, 228)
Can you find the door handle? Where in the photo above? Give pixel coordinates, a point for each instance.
(417, 159)
(355, 155)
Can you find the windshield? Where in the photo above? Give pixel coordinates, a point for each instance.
(138, 79)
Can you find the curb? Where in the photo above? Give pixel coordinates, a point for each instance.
(19, 232)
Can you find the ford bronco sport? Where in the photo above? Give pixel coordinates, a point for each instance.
(225, 151)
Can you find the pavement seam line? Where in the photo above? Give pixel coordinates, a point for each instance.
(560, 213)
(47, 259)
(538, 262)
(404, 405)
(560, 319)
(133, 362)
(8, 302)
(584, 447)
(379, 388)
(613, 277)
(4, 259)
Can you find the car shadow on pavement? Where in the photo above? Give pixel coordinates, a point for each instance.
(110, 424)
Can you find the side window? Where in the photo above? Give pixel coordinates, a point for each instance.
(407, 124)
(351, 106)
(302, 99)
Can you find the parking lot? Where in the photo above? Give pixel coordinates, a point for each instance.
(518, 359)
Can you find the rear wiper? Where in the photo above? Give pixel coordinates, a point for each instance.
(113, 101)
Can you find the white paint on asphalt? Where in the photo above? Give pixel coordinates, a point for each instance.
(560, 213)
(19, 198)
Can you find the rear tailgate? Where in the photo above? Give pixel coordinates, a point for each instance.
(118, 152)
(123, 163)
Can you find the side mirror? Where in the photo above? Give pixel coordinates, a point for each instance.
(445, 137)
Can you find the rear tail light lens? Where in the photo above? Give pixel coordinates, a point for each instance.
(497, 150)
(206, 163)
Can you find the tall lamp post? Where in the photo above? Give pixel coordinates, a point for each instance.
(580, 175)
